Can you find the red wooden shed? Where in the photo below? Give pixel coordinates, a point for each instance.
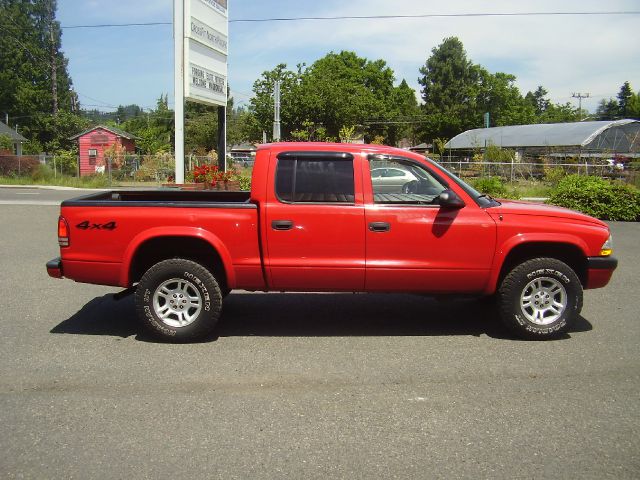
(93, 142)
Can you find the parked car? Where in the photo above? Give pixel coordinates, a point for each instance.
(392, 180)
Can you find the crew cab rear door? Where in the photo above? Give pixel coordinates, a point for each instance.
(314, 222)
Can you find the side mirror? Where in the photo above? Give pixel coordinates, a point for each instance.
(450, 199)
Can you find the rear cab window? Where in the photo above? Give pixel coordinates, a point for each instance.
(315, 177)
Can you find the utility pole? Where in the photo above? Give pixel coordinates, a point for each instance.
(276, 111)
(580, 96)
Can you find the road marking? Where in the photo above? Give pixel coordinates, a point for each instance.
(27, 193)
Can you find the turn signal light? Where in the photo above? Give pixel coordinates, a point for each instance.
(607, 247)
(63, 232)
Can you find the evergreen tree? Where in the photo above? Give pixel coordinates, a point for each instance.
(449, 89)
(624, 96)
(608, 109)
(35, 87)
(538, 100)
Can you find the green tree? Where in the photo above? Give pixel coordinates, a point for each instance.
(34, 82)
(336, 90)
(607, 109)
(344, 89)
(624, 97)
(290, 101)
(633, 106)
(6, 143)
(538, 100)
(499, 96)
(449, 90)
(402, 114)
(154, 129)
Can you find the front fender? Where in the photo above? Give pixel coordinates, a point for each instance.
(194, 232)
(503, 250)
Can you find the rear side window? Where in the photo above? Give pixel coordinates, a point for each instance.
(308, 177)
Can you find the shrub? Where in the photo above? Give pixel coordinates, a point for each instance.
(16, 166)
(595, 196)
(491, 186)
(553, 175)
(42, 173)
(245, 182)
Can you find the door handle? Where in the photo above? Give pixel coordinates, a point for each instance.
(282, 225)
(379, 227)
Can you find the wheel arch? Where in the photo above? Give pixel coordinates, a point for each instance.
(567, 252)
(155, 245)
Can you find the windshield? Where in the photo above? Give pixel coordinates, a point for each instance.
(483, 200)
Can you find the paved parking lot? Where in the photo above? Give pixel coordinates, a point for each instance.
(307, 386)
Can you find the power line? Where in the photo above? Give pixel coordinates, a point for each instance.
(369, 17)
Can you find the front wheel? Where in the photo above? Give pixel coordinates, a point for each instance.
(178, 300)
(540, 298)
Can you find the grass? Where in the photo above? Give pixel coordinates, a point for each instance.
(60, 181)
(529, 189)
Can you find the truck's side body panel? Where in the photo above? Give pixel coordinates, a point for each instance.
(103, 255)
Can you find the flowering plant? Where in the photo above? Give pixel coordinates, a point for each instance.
(207, 174)
(211, 175)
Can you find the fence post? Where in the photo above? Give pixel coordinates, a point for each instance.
(19, 172)
(55, 173)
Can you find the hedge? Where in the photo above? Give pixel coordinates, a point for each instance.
(595, 196)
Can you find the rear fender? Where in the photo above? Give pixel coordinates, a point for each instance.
(193, 232)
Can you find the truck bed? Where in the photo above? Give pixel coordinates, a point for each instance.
(163, 198)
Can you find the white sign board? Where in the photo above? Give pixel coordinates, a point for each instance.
(206, 31)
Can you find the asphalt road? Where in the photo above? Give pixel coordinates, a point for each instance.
(308, 386)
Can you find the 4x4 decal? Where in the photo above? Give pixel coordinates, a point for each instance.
(86, 225)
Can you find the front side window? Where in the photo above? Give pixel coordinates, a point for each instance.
(396, 180)
(315, 178)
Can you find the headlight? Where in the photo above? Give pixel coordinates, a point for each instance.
(607, 247)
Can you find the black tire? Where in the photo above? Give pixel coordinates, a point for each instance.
(178, 300)
(410, 187)
(540, 299)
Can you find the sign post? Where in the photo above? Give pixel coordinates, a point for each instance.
(178, 87)
(201, 76)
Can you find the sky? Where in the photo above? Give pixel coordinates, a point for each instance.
(565, 54)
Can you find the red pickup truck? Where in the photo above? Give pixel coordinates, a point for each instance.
(339, 218)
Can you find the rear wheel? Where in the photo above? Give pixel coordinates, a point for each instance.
(178, 300)
(540, 298)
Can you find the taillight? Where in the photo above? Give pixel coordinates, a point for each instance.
(63, 232)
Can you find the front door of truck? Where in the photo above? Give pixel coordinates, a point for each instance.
(314, 223)
(413, 244)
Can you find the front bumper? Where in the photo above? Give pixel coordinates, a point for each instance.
(600, 270)
(54, 268)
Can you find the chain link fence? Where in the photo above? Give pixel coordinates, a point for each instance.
(531, 171)
(160, 168)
